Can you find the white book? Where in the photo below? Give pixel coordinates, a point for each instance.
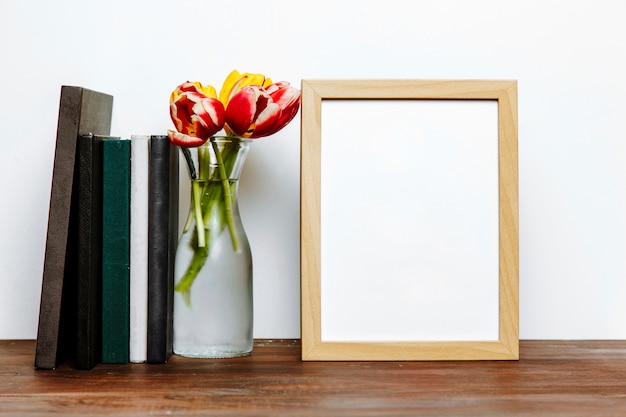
(139, 248)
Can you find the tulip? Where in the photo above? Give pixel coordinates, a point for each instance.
(236, 81)
(195, 116)
(255, 112)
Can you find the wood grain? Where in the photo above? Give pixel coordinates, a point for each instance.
(552, 378)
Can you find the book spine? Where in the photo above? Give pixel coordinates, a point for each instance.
(115, 250)
(89, 281)
(139, 248)
(162, 234)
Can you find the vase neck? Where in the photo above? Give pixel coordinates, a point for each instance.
(217, 159)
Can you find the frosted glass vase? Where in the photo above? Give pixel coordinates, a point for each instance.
(213, 304)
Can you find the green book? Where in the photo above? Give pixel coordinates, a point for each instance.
(115, 250)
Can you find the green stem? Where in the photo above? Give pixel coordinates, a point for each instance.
(198, 260)
(190, 214)
(212, 208)
(227, 198)
(198, 213)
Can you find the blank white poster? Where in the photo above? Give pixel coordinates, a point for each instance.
(409, 220)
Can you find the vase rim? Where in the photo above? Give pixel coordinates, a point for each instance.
(229, 138)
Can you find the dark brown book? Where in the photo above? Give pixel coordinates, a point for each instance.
(162, 242)
(80, 111)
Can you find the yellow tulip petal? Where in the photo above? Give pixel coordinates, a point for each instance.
(209, 91)
(228, 85)
(236, 81)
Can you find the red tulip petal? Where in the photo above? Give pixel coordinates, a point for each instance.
(178, 123)
(180, 139)
(242, 109)
(288, 113)
(283, 94)
(287, 100)
(181, 110)
(208, 117)
(266, 121)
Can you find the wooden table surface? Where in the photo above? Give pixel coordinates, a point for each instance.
(552, 378)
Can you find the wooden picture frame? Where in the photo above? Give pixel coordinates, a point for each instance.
(448, 143)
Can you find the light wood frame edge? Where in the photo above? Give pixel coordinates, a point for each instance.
(505, 92)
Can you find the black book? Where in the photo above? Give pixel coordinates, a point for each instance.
(89, 263)
(80, 111)
(162, 241)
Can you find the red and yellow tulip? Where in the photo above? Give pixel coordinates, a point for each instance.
(256, 107)
(196, 112)
(254, 111)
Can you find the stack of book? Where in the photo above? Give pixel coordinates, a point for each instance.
(108, 271)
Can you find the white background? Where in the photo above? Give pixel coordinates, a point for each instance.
(568, 56)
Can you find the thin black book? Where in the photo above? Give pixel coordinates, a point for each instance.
(80, 111)
(88, 351)
(162, 241)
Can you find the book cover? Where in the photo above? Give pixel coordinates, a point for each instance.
(80, 111)
(139, 248)
(89, 260)
(162, 240)
(115, 249)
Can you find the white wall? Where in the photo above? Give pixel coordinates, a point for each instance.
(568, 56)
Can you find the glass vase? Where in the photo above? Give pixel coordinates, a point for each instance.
(213, 306)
